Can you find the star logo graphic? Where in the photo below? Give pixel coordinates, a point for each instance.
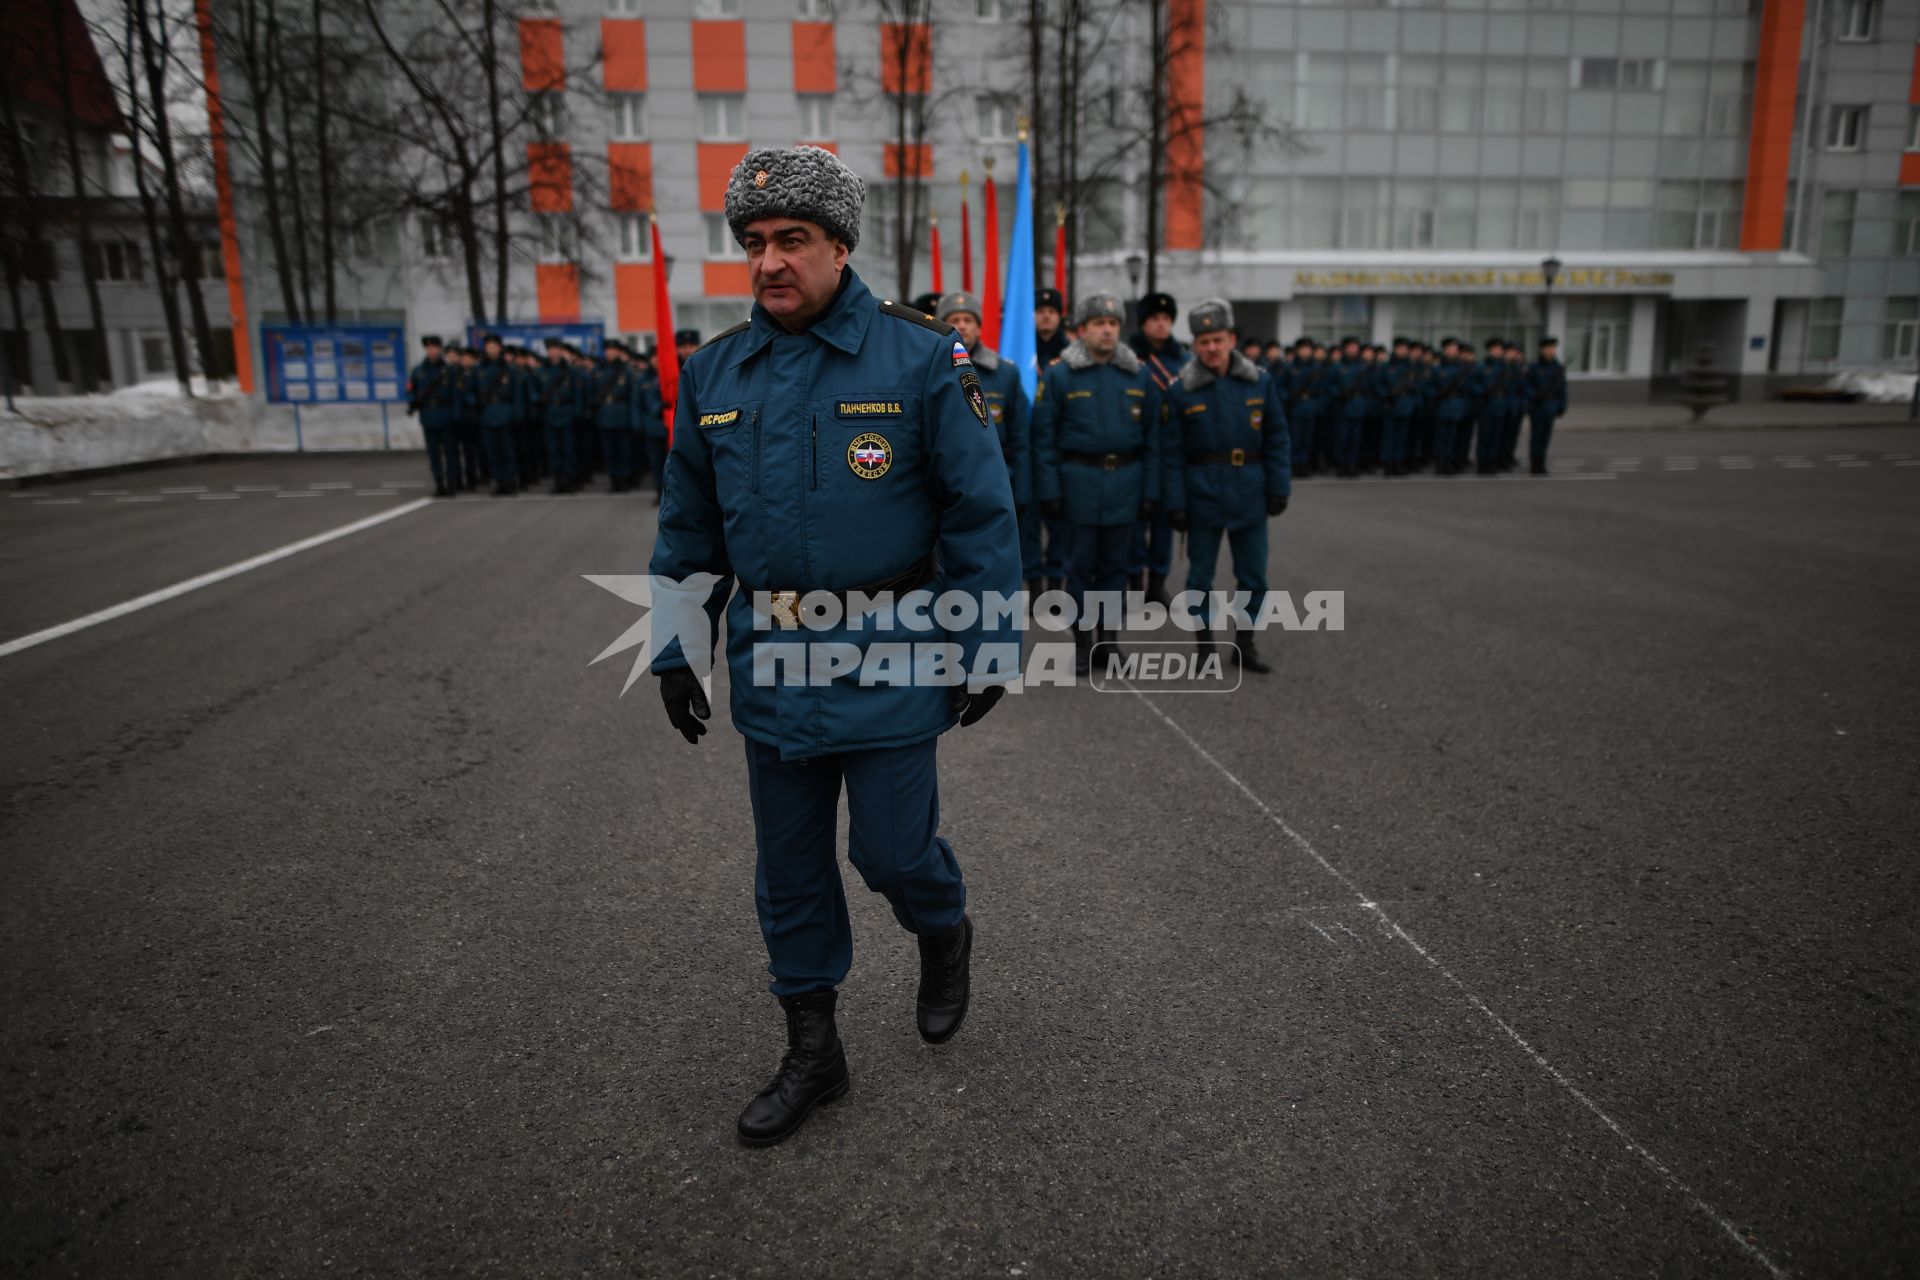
(675, 610)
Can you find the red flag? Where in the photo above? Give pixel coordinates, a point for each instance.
(990, 260)
(933, 247)
(966, 237)
(1060, 249)
(666, 359)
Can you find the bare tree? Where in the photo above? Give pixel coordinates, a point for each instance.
(163, 276)
(65, 76)
(32, 255)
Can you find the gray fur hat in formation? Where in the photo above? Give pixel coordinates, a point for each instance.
(959, 300)
(1214, 315)
(1095, 305)
(796, 182)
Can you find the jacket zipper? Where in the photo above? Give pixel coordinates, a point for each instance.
(753, 425)
(813, 456)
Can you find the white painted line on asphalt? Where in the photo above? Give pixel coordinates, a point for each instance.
(256, 488)
(300, 493)
(56, 502)
(149, 498)
(375, 493)
(330, 484)
(404, 484)
(1797, 465)
(110, 493)
(1387, 922)
(187, 488)
(1891, 456)
(1851, 463)
(1839, 457)
(1908, 462)
(206, 579)
(218, 497)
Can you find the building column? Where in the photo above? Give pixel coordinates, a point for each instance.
(1385, 308)
(1753, 363)
(1557, 317)
(1640, 337)
(1791, 342)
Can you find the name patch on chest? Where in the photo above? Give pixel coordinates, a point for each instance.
(869, 408)
(728, 418)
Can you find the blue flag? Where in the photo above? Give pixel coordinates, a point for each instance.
(1018, 341)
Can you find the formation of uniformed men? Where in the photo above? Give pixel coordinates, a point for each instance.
(505, 417)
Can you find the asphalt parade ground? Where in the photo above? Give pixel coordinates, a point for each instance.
(1557, 917)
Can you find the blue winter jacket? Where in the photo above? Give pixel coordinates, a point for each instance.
(433, 389)
(1012, 419)
(1241, 416)
(496, 389)
(1084, 407)
(836, 459)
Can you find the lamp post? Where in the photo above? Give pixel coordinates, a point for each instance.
(1549, 271)
(1135, 265)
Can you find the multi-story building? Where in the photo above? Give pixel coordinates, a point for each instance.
(1736, 175)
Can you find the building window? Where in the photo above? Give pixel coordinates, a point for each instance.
(1619, 73)
(1913, 128)
(1364, 214)
(1546, 101)
(990, 10)
(723, 117)
(1823, 328)
(156, 354)
(720, 241)
(1897, 335)
(1859, 19)
(547, 112)
(1598, 334)
(1417, 94)
(629, 116)
(558, 239)
(636, 237)
(437, 237)
(816, 116)
(114, 260)
(1329, 318)
(624, 8)
(205, 261)
(1906, 224)
(1846, 128)
(1836, 223)
(716, 8)
(815, 10)
(995, 116)
(1322, 90)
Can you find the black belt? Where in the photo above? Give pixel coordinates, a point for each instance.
(1107, 461)
(785, 605)
(1231, 457)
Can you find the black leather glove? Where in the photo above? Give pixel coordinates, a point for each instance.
(1276, 505)
(686, 703)
(1180, 521)
(1146, 510)
(1050, 508)
(972, 707)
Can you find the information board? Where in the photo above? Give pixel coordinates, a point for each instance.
(335, 364)
(588, 335)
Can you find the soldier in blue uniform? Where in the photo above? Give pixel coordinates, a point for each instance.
(497, 395)
(1096, 455)
(1006, 403)
(1401, 383)
(1547, 397)
(473, 452)
(1228, 463)
(1151, 557)
(433, 392)
(1497, 388)
(1050, 334)
(1350, 402)
(650, 408)
(616, 413)
(836, 443)
(557, 401)
(1519, 402)
(1048, 565)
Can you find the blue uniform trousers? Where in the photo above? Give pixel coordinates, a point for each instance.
(1491, 447)
(1303, 424)
(1059, 548)
(1097, 558)
(1032, 559)
(616, 443)
(443, 455)
(1248, 546)
(1346, 450)
(1539, 437)
(1152, 546)
(473, 455)
(502, 455)
(563, 450)
(893, 812)
(1512, 441)
(657, 460)
(1394, 430)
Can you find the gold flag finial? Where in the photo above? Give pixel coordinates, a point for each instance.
(933, 217)
(963, 178)
(989, 163)
(1023, 126)
(1059, 215)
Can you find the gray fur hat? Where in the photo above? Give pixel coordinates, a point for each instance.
(959, 300)
(796, 182)
(1212, 315)
(1095, 305)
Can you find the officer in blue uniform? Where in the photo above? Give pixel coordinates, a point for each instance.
(1228, 462)
(497, 394)
(558, 403)
(1006, 403)
(1352, 401)
(835, 443)
(1048, 566)
(1547, 394)
(1300, 385)
(1496, 388)
(1151, 557)
(1096, 455)
(433, 392)
(650, 413)
(616, 413)
(1401, 381)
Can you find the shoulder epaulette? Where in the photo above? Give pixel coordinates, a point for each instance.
(920, 318)
(742, 327)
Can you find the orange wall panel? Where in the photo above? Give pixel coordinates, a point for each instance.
(558, 285)
(623, 48)
(1186, 99)
(1910, 169)
(915, 160)
(549, 177)
(1776, 83)
(630, 176)
(1913, 87)
(906, 57)
(716, 162)
(813, 58)
(543, 58)
(727, 280)
(719, 57)
(633, 296)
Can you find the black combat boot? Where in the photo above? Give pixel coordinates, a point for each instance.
(945, 982)
(1056, 584)
(1250, 659)
(813, 1072)
(1157, 589)
(1203, 639)
(1082, 651)
(1137, 581)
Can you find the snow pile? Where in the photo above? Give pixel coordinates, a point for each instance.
(1876, 386)
(170, 387)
